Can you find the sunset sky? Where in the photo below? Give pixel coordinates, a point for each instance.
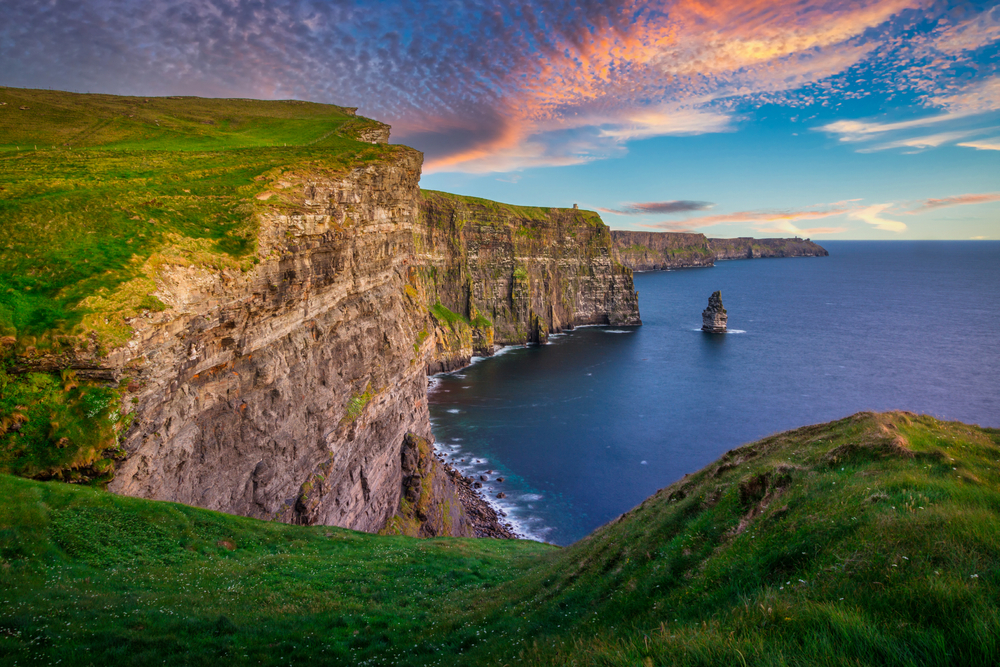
(828, 119)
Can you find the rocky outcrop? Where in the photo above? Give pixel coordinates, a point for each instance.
(714, 318)
(513, 274)
(653, 251)
(430, 504)
(750, 248)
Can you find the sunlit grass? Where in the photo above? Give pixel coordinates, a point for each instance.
(872, 555)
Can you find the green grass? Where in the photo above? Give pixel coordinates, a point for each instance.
(873, 540)
(95, 198)
(513, 212)
(445, 316)
(98, 194)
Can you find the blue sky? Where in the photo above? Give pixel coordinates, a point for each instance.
(829, 119)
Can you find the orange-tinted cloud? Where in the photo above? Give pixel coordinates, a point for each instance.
(767, 221)
(959, 200)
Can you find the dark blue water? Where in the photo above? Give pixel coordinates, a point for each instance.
(587, 427)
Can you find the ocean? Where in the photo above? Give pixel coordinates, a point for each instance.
(586, 427)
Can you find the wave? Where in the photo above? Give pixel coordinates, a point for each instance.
(730, 331)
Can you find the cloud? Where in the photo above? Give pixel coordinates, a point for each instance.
(872, 215)
(764, 220)
(964, 117)
(959, 200)
(856, 130)
(925, 141)
(983, 144)
(485, 85)
(675, 206)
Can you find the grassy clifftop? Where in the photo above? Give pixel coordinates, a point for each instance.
(98, 191)
(873, 540)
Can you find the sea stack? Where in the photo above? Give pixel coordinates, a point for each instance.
(713, 318)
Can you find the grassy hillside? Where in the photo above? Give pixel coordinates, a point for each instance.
(98, 191)
(873, 540)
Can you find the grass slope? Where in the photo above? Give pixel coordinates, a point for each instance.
(97, 194)
(873, 540)
(98, 191)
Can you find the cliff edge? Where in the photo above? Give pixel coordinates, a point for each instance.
(653, 251)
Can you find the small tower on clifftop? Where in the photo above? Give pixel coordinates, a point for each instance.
(713, 318)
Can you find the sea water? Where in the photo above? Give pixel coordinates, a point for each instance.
(588, 426)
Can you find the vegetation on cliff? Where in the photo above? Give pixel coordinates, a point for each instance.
(97, 194)
(98, 191)
(872, 540)
(527, 271)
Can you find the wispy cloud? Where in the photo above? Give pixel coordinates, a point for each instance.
(873, 216)
(959, 200)
(484, 85)
(763, 220)
(646, 208)
(992, 144)
(965, 113)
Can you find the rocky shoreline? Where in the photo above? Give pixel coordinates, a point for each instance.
(486, 520)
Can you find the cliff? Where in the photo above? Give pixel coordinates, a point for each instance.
(652, 251)
(249, 330)
(517, 273)
(750, 248)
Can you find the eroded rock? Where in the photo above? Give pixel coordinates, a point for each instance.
(714, 318)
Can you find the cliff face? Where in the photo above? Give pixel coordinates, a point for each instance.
(515, 274)
(651, 251)
(256, 335)
(750, 248)
(286, 392)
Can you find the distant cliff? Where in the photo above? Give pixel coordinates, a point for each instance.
(651, 251)
(750, 248)
(514, 274)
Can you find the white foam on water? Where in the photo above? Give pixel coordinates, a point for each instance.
(644, 463)
(730, 331)
(616, 331)
(454, 411)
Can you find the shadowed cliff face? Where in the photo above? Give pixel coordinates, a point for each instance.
(286, 392)
(652, 251)
(518, 273)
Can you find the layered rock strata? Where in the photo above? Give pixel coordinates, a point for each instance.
(652, 251)
(656, 251)
(714, 318)
(515, 274)
(286, 392)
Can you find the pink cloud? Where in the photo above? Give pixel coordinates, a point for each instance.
(959, 200)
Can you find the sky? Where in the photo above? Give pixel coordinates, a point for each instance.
(833, 119)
